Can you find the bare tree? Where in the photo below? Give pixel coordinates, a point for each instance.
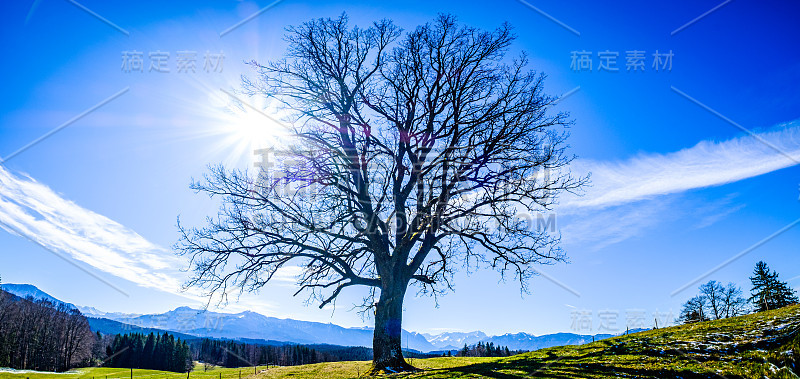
(42, 335)
(693, 310)
(412, 154)
(76, 335)
(716, 301)
(714, 293)
(734, 304)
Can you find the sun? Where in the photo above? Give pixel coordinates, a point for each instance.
(244, 125)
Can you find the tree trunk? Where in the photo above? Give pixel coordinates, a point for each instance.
(386, 341)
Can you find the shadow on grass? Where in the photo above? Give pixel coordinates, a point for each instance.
(562, 368)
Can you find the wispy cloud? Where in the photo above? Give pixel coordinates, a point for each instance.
(713, 211)
(35, 211)
(32, 210)
(631, 196)
(707, 164)
(598, 229)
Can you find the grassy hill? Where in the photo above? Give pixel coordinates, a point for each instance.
(761, 345)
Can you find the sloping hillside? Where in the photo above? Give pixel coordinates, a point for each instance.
(761, 345)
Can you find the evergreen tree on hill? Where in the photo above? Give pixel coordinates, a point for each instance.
(768, 291)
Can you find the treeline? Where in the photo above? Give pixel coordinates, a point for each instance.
(239, 354)
(717, 301)
(152, 351)
(485, 350)
(41, 335)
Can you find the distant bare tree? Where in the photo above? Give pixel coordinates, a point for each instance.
(77, 336)
(693, 310)
(733, 302)
(716, 301)
(412, 153)
(713, 291)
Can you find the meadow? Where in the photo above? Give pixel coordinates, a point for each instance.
(765, 344)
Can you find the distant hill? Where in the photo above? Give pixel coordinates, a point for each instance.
(525, 341)
(456, 340)
(257, 328)
(253, 325)
(515, 341)
(27, 290)
(106, 326)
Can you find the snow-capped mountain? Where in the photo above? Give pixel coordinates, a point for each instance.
(254, 326)
(455, 340)
(27, 290)
(515, 341)
(525, 341)
(94, 312)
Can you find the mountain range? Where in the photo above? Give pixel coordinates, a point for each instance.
(255, 326)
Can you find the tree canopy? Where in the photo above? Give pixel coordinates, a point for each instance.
(411, 154)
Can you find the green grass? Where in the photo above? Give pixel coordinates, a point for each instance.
(124, 373)
(762, 345)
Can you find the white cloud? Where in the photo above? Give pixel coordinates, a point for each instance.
(706, 164)
(598, 229)
(33, 210)
(287, 275)
(629, 197)
(713, 211)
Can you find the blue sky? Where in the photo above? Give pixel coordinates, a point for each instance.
(679, 185)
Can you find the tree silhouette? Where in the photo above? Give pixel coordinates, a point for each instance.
(693, 310)
(411, 154)
(722, 301)
(768, 292)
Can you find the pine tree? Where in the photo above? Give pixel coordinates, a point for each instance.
(149, 351)
(768, 291)
(138, 350)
